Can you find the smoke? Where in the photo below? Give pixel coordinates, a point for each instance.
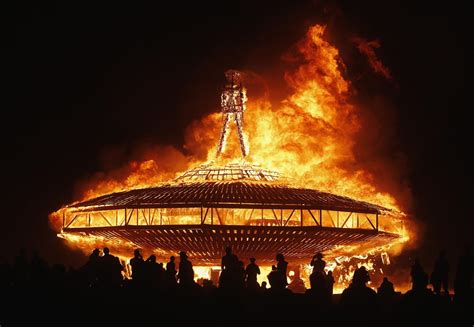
(368, 49)
(146, 165)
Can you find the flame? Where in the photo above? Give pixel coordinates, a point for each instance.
(309, 136)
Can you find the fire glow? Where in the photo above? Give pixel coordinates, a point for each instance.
(310, 137)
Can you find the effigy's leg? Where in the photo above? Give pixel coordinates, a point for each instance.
(240, 128)
(225, 125)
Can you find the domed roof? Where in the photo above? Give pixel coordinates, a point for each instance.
(236, 194)
(229, 172)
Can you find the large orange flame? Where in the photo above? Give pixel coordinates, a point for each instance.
(310, 136)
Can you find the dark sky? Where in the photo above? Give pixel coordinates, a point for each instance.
(80, 78)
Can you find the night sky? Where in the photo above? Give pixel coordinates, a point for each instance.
(81, 79)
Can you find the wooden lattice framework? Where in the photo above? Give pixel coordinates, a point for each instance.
(201, 218)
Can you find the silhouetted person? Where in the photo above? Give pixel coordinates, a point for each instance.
(386, 288)
(417, 272)
(92, 268)
(418, 300)
(171, 273)
(281, 267)
(463, 278)
(251, 273)
(154, 272)
(319, 288)
(318, 263)
(138, 264)
(239, 275)
(440, 274)
(386, 295)
(208, 287)
(277, 277)
(330, 283)
(110, 269)
(229, 277)
(359, 298)
(229, 260)
(186, 272)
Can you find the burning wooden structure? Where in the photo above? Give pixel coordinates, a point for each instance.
(238, 204)
(255, 216)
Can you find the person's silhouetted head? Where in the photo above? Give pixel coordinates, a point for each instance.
(252, 260)
(330, 273)
(228, 250)
(106, 251)
(172, 258)
(96, 252)
(319, 255)
(361, 276)
(137, 253)
(152, 258)
(280, 257)
(183, 255)
(264, 284)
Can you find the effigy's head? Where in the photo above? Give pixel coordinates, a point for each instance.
(233, 76)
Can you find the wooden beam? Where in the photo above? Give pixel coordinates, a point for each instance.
(247, 223)
(370, 222)
(346, 220)
(291, 214)
(329, 213)
(314, 218)
(108, 222)
(72, 220)
(276, 218)
(219, 217)
(153, 216)
(144, 216)
(129, 217)
(237, 205)
(203, 220)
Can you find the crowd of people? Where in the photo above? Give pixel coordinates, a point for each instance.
(105, 274)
